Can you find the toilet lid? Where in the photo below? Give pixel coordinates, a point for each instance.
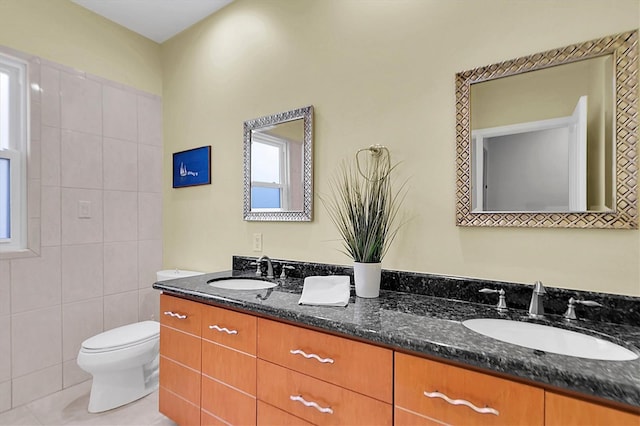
(124, 336)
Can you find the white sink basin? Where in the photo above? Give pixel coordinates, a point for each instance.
(242, 284)
(550, 339)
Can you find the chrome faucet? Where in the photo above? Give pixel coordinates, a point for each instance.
(536, 309)
(269, 266)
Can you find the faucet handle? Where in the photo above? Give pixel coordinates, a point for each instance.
(570, 314)
(257, 265)
(502, 301)
(283, 274)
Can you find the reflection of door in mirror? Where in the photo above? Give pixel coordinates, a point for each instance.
(276, 167)
(536, 166)
(529, 147)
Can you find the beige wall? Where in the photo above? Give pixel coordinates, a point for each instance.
(66, 33)
(376, 72)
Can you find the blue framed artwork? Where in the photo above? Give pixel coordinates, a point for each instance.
(192, 167)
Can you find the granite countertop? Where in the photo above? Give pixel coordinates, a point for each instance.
(433, 326)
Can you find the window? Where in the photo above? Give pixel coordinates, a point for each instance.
(269, 178)
(13, 149)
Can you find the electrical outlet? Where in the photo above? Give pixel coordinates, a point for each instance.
(84, 209)
(257, 242)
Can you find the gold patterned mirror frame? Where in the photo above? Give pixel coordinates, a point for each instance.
(624, 48)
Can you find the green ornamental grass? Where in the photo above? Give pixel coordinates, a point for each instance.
(364, 205)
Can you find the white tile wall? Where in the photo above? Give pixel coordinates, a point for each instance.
(81, 160)
(72, 374)
(91, 141)
(51, 153)
(5, 348)
(80, 320)
(36, 385)
(50, 97)
(149, 168)
(120, 216)
(120, 309)
(36, 282)
(76, 230)
(36, 340)
(5, 287)
(80, 103)
(51, 219)
(82, 272)
(120, 165)
(120, 267)
(149, 262)
(119, 112)
(149, 222)
(5, 396)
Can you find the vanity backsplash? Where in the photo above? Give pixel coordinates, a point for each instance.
(616, 309)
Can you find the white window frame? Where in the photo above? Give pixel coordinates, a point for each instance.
(283, 149)
(16, 151)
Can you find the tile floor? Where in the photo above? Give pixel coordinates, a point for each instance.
(69, 407)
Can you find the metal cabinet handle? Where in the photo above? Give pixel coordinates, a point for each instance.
(486, 410)
(308, 356)
(299, 398)
(175, 315)
(225, 329)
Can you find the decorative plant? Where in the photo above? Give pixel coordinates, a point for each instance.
(364, 205)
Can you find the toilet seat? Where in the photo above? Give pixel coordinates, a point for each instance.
(122, 337)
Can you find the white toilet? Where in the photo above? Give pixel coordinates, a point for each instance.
(123, 362)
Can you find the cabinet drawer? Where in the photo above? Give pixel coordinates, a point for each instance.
(180, 313)
(361, 367)
(402, 417)
(276, 386)
(269, 415)
(207, 419)
(180, 347)
(229, 328)
(177, 409)
(515, 403)
(234, 368)
(180, 380)
(562, 410)
(228, 404)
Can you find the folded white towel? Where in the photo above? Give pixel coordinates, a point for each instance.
(325, 290)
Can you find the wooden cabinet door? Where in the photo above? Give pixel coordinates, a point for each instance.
(563, 410)
(180, 314)
(229, 328)
(497, 401)
(177, 409)
(358, 366)
(317, 401)
(228, 404)
(269, 415)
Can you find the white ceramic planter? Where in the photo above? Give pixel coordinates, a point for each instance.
(367, 279)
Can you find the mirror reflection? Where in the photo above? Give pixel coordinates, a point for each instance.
(278, 166)
(550, 139)
(543, 141)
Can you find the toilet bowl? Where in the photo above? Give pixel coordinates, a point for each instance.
(123, 362)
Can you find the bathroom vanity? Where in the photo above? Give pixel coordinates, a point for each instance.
(257, 357)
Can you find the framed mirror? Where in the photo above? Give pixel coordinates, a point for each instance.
(278, 172)
(550, 139)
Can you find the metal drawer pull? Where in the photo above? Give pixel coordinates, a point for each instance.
(487, 410)
(173, 314)
(225, 329)
(299, 398)
(308, 356)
